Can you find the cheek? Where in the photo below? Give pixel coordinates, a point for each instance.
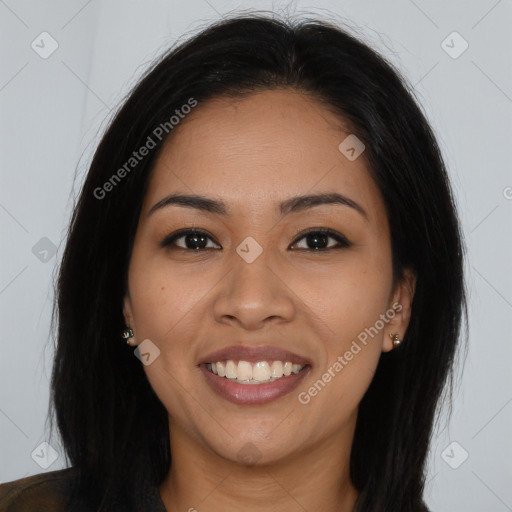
(357, 305)
(358, 301)
(163, 293)
(351, 304)
(338, 390)
(351, 348)
(165, 304)
(349, 296)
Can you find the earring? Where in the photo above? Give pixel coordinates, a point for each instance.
(126, 335)
(396, 339)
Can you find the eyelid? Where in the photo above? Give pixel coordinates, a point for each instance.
(169, 239)
(331, 233)
(342, 241)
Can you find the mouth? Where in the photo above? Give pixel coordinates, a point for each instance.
(260, 372)
(253, 375)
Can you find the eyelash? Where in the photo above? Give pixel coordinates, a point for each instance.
(342, 241)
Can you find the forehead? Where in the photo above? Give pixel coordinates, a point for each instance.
(258, 149)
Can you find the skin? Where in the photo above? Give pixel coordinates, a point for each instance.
(253, 153)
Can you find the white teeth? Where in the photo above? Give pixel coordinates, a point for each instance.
(244, 371)
(221, 369)
(261, 371)
(231, 370)
(254, 373)
(296, 368)
(276, 370)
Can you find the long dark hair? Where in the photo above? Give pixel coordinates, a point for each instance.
(107, 413)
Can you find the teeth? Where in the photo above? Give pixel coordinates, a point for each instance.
(296, 368)
(254, 373)
(261, 371)
(276, 370)
(221, 369)
(231, 370)
(244, 371)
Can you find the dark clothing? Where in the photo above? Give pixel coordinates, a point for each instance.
(48, 492)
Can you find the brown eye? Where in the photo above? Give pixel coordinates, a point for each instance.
(193, 240)
(317, 239)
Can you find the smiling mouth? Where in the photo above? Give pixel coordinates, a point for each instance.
(260, 372)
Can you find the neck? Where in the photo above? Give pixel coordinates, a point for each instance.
(316, 479)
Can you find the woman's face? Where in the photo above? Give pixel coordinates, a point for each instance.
(253, 282)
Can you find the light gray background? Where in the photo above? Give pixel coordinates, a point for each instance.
(53, 111)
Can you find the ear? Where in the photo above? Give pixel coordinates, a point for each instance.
(128, 311)
(400, 303)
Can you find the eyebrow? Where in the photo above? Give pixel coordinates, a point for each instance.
(293, 205)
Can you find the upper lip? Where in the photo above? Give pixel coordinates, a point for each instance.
(253, 355)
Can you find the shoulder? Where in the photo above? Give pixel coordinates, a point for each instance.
(43, 492)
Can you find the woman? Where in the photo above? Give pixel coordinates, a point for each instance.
(268, 224)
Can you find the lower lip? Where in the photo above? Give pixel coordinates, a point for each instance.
(253, 394)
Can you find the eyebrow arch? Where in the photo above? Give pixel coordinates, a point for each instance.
(292, 205)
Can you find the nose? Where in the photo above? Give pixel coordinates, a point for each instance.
(254, 294)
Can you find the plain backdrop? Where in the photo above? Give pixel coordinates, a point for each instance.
(54, 108)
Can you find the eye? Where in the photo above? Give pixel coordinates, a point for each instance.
(193, 239)
(197, 240)
(318, 238)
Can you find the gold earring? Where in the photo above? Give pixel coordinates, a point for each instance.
(396, 339)
(127, 334)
